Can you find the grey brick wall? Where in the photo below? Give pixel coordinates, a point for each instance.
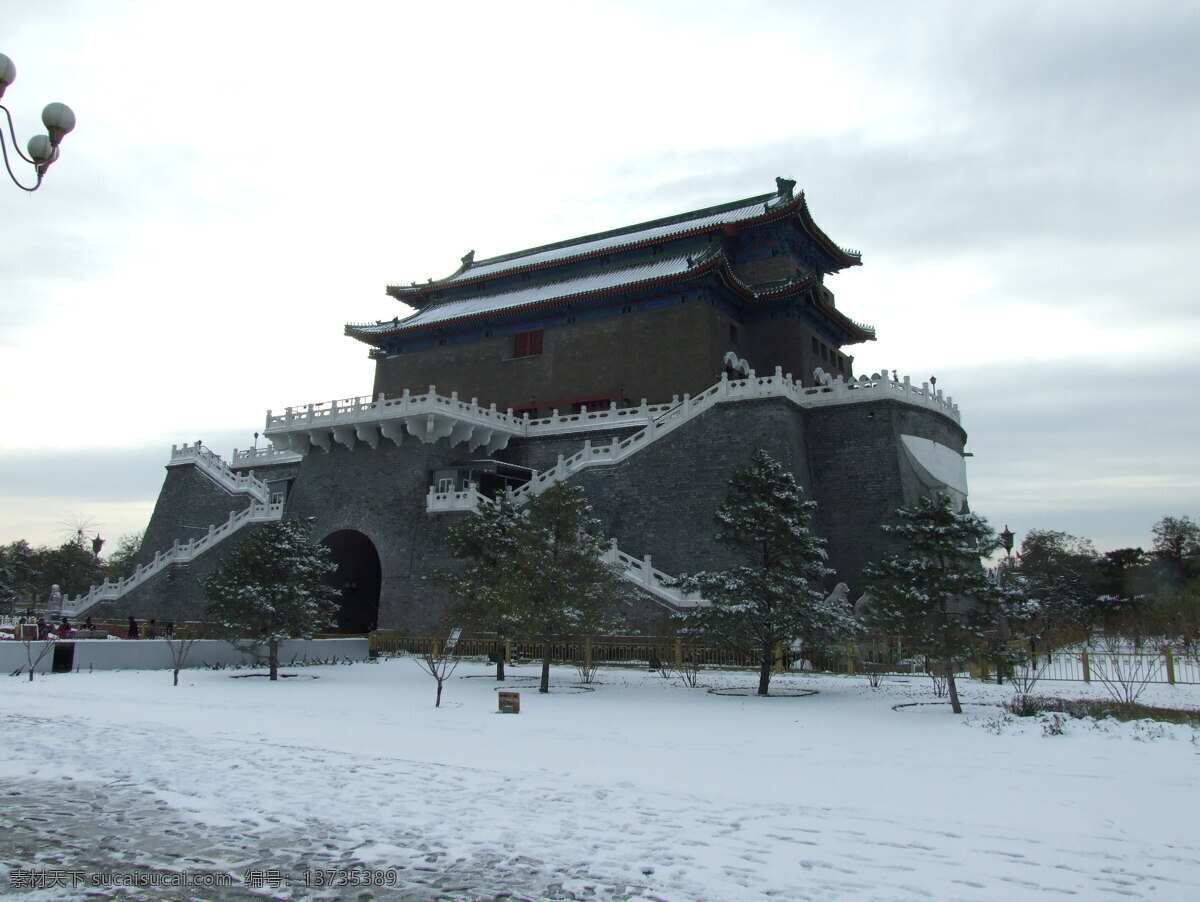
(381, 493)
(188, 503)
(658, 502)
(174, 593)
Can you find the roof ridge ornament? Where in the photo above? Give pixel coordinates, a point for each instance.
(785, 186)
(467, 259)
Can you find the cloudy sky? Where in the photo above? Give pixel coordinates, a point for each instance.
(246, 177)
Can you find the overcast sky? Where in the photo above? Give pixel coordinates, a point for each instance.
(246, 177)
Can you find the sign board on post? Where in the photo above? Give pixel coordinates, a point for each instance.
(451, 642)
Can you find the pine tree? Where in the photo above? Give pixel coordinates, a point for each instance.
(487, 543)
(271, 588)
(18, 576)
(774, 597)
(538, 571)
(934, 591)
(561, 585)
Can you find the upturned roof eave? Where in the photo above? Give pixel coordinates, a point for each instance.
(411, 294)
(704, 268)
(717, 264)
(793, 287)
(837, 253)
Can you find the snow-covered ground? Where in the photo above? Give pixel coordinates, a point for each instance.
(640, 789)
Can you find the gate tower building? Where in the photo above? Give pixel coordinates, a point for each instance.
(645, 363)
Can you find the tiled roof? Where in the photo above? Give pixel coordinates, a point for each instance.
(647, 232)
(532, 295)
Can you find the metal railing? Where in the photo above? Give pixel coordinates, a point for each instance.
(1086, 665)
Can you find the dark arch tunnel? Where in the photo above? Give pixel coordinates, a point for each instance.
(358, 578)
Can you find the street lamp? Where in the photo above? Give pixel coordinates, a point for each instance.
(1006, 540)
(43, 149)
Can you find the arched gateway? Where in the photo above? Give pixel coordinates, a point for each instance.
(357, 577)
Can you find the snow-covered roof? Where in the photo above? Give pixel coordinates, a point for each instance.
(781, 202)
(536, 294)
(630, 235)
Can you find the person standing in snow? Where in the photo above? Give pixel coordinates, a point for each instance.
(134, 632)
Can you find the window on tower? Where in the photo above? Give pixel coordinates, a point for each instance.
(527, 344)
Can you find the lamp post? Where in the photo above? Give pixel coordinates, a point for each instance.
(1006, 540)
(43, 149)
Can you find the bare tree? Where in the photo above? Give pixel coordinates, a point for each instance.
(1023, 678)
(441, 663)
(180, 647)
(586, 666)
(875, 673)
(36, 650)
(690, 664)
(1126, 655)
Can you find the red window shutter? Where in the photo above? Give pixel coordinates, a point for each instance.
(521, 344)
(535, 342)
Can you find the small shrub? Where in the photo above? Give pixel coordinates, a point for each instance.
(1148, 731)
(689, 670)
(1099, 709)
(875, 674)
(999, 723)
(1054, 725)
(587, 671)
(1024, 705)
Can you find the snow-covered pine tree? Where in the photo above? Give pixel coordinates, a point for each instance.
(18, 576)
(272, 588)
(536, 571)
(934, 590)
(486, 542)
(558, 586)
(775, 596)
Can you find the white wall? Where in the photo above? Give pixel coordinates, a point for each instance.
(153, 654)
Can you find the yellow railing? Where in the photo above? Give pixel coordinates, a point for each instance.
(615, 650)
(886, 656)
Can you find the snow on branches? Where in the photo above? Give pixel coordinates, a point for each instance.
(774, 596)
(933, 589)
(272, 588)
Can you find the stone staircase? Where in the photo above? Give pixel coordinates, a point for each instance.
(430, 417)
(828, 391)
(211, 465)
(179, 553)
